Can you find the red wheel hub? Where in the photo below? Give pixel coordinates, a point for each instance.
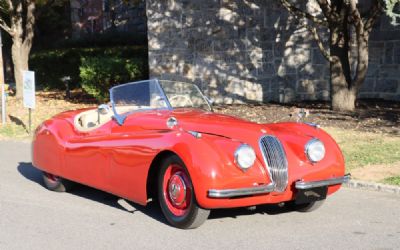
(177, 190)
(52, 177)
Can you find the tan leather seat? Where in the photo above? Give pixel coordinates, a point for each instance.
(90, 120)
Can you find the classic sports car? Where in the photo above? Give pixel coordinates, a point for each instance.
(161, 140)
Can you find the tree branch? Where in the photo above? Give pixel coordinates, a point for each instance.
(302, 14)
(10, 5)
(327, 10)
(362, 44)
(5, 27)
(375, 10)
(30, 22)
(319, 42)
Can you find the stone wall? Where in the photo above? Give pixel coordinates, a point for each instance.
(245, 51)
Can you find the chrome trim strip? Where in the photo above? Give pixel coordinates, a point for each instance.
(314, 125)
(228, 193)
(328, 182)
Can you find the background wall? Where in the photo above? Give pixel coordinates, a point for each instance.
(97, 16)
(244, 51)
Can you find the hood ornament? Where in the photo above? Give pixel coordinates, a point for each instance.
(300, 114)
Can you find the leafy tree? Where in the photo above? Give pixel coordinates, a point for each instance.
(346, 22)
(393, 10)
(17, 18)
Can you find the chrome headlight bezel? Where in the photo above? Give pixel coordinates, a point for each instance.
(315, 150)
(245, 156)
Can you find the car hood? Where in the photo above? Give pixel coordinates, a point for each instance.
(243, 130)
(217, 124)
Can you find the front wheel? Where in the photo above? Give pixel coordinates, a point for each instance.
(307, 207)
(176, 195)
(56, 183)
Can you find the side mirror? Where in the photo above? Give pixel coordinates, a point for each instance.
(210, 100)
(103, 109)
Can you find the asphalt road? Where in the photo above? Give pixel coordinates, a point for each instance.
(33, 218)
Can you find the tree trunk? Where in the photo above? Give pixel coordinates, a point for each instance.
(20, 56)
(343, 93)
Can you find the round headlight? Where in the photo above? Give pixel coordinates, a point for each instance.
(245, 156)
(315, 150)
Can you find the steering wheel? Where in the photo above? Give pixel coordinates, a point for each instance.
(181, 100)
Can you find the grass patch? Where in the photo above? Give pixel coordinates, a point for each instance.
(13, 131)
(48, 104)
(394, 180)
(364, 148)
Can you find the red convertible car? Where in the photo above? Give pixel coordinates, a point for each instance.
(161, 140)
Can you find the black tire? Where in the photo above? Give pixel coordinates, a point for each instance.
(172, 173)
(56, 183)
(307, 207)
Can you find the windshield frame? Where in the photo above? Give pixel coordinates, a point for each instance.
(120, 118)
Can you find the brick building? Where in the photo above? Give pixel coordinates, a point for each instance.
(98, 16)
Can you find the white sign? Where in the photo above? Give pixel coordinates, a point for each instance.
(28, 78)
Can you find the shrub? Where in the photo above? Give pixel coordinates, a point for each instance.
(98, 74)
(51, 65)
(108, 38)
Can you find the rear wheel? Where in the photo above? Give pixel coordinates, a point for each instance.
(56, 183)
(176, 195)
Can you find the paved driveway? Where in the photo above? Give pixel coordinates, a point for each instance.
(33, 218)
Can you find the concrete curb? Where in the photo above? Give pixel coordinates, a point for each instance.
(372, 186)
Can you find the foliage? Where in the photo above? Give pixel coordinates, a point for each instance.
(52, 65)
(394, 180)
(393, 10)
(98, 74)
(54, 23)
(109, 38)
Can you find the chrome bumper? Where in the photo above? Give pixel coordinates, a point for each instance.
(263, 189)
(228, 193)
(328, 182)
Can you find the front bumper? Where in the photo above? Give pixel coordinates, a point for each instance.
(264, 189)
(228, 193)
(327, 182)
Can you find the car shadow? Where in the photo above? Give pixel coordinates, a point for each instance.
(269, 209)
(152, 209)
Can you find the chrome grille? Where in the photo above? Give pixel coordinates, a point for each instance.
(275, 159)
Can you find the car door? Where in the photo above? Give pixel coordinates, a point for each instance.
(133, 146)
(87, 157)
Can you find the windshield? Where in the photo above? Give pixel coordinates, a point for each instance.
(136, 96)
(154, 94)
(184, 95)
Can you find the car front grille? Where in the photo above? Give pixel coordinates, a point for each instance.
(275, 159)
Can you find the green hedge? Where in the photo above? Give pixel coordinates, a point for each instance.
(51, 65)
(99, 74)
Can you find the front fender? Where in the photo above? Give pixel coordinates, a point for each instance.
(211, 165)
